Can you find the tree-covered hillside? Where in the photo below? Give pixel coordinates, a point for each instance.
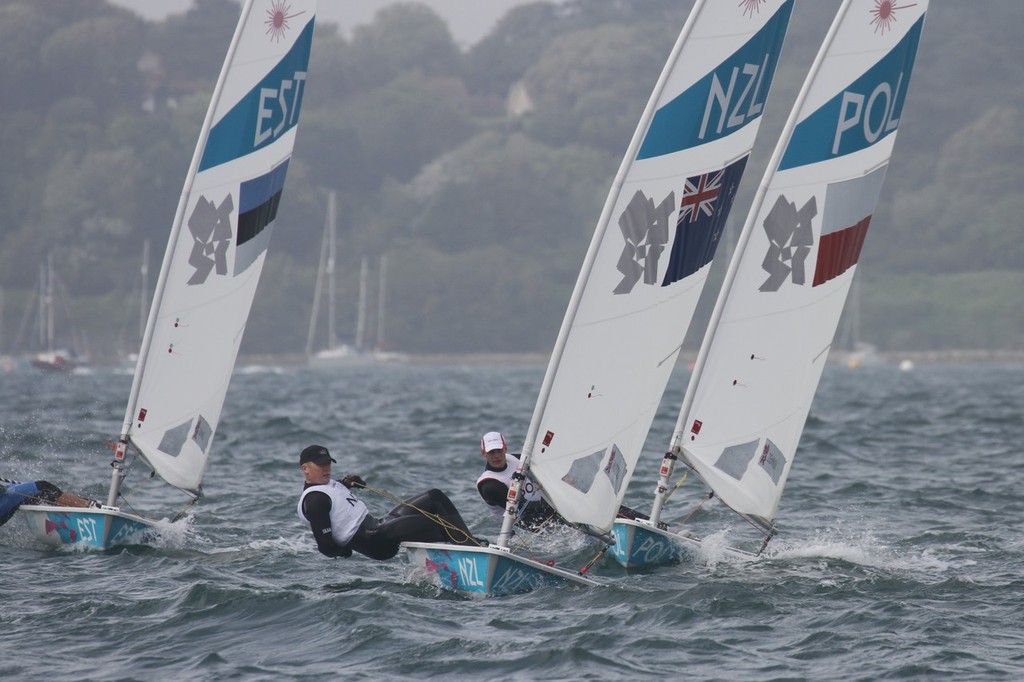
(480, 173)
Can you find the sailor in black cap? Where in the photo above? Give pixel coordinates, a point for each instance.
(341, 522)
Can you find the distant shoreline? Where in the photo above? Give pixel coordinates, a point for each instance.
(880, 358)
(927, 357)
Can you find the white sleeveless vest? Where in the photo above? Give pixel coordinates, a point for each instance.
(530, 491)
(347, 511)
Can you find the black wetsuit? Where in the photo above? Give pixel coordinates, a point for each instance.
(380, 538)
(534, 515)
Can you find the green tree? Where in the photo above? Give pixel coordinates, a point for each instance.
(87, 206)
(958, 220)
(513, 191)
(24, 26)
(404, 37)
(97, 58)
(503, 56)
(192, 46)
(584, 87)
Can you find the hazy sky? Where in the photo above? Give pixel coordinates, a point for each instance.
(469, 20)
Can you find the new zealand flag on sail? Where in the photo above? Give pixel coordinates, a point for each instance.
(703, 211)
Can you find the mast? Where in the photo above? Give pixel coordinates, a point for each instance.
(364, 270)
(382, 278)
(41, 315)
(332, 246)
(117, 465)
(314, 314)
(144, 289)
(48, 301)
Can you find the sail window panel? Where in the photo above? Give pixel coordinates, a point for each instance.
(616, 469)
(583, 471)
(173, 439)
(202, 433)
(772, 461)
(735, 459)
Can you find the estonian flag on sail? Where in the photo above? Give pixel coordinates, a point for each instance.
(258, 200)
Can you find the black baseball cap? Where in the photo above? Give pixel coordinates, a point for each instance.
(317, 454)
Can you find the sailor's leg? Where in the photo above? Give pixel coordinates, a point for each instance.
(17, 494)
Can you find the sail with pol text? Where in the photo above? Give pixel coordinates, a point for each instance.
(214, 257)
(639, 284)
(773, 325)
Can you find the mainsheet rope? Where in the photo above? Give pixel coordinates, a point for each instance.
(450, 529)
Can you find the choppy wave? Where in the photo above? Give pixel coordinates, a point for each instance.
(898, 555)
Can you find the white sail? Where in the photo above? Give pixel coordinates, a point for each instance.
(760, 362)
(650, 256)
(218, 241)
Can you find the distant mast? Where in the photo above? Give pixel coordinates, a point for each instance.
(380, 300)
(332, 236)
(364, 271)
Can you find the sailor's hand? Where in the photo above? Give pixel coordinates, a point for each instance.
(353, 481)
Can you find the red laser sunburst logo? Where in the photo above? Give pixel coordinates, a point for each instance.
(751, 6)
(885, 14)
(278, 15)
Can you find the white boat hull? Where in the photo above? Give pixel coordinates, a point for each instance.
(487, 571)
(640, 545)
(54, 361)
(89, 528)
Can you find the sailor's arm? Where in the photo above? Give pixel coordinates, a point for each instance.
(317, 508)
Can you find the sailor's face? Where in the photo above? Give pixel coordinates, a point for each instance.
(317, 474)
(495, 458)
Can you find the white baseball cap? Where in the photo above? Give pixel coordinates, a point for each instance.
(492, 441)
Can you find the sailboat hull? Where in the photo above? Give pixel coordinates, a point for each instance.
(54, 361)
(638, 545)
(487, 571)
(87, 528)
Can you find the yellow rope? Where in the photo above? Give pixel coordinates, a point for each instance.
(447, 525)
(678, 483)
(593, 561)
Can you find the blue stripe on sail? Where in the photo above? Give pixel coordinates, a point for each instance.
(866, 111)
(268, 111)
(703, 211)
(258, 200)
(725, 100)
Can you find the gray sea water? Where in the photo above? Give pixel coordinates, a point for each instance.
(900, 551)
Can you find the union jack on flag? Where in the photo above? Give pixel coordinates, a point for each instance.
(703, 211)
(699, 194)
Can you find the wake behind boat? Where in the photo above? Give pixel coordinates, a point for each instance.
(776, 316)
(638, 288)
(209, 274)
